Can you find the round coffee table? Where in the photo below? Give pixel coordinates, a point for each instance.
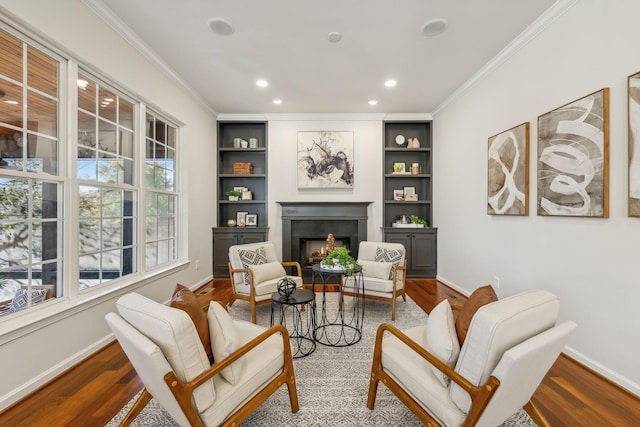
(300, 323)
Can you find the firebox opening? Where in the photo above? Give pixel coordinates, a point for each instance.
(312, 251)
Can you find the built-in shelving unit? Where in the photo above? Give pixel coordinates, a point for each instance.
(401, 148)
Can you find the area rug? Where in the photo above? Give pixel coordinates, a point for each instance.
(332, 382)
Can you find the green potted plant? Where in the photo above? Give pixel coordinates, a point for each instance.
(415, 219)
(233, 194)
(340, 258)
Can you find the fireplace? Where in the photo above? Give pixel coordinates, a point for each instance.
(305, 226)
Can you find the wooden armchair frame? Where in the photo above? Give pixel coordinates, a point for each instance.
(480, 395)
(183, 391)
(251, 297)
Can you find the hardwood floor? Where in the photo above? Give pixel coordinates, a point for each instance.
(92, 392)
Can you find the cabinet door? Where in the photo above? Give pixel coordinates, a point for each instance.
(424, 255)
(221, 244)
(247, 237)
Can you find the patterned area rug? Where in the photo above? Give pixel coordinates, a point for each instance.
(332, 382)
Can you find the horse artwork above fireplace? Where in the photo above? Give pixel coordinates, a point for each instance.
(306, 225)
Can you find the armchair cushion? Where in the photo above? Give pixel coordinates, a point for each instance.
(173, 331)
(442, 340)
(251, 257)
(378, 270)
(393, 256)
(184, 299)
(21, 299)
(477, 299)
(267, 271)
(225, 340)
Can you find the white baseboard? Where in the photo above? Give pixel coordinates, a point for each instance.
(609, 374)
(29, 387)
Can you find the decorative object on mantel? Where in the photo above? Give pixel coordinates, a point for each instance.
(325, 160)
(508, 184)
(233, 195)
(241, 168)
(573, 158)
(286, 287)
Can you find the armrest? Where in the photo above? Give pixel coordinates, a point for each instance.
(232, 271)
(295, 264)
(455, 306)
(492, 382)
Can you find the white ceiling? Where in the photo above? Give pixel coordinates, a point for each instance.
(285, 42)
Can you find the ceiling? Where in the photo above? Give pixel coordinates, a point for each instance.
(286, 43)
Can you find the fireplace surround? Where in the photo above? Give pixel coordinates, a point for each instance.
(304, 221)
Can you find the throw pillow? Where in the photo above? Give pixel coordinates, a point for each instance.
(252, 257)
(389, 255)
(268, 271)
(378, 270)
(184, 299)
(477, 299)
(442, 340)
(224, 341)
(20, 299)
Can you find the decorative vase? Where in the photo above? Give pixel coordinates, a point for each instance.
(286, 287)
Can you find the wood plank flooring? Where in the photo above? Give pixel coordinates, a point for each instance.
(92, 392)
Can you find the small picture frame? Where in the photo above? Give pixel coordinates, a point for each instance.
(410, 193)
(241, 218)
(251, 220)
(399, 167)
(240, 189)
(398, 195)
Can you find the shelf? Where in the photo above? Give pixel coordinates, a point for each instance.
(408, 202)
(241, 202)
(408, 175)
(407, 150)
(241, 150)
(239, 175)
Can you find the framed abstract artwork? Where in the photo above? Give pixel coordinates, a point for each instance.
(573, 158)
(325, 159)
(633, 97)
(508, 172)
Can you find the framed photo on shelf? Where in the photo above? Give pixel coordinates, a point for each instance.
(410, 194)
(241, 218)
(398, 194)
(251, 220)
(399, 167)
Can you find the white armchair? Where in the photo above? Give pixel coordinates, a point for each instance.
(254, 271)
(383, 270)
(163, 346)
(510, 346)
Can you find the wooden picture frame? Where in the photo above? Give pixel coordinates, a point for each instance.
(508, 172)
(398, 195)
(573, 158)
(633, 118)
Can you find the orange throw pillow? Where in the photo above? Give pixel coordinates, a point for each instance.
(186, 300)
(477, 299)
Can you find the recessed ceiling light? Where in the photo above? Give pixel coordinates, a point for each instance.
(221, 27)
(435, 27)
(277, 101)
(373, 102)
(11, 102)
(334, 37)
(262, 83)
(390, 83)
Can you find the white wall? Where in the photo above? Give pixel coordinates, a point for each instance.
(283, 186)
(30, 360)
(592, 264)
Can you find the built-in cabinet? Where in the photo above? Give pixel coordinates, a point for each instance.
(407, 170)
(240, 144)
(225, 237)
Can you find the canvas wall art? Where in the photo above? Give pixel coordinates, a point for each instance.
(325, 159)
(573, 158)
(508, 177)
(633, 96)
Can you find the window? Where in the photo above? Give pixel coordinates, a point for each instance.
(31, 223)
(106, 191)
(161, 195)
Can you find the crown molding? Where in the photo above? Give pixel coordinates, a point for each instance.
(324, 116)
(122, 29)
(530, 33)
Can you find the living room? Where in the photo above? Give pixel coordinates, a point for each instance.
(577, 48)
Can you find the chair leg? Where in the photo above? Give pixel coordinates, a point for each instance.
(137, 407)
(373, 390)
(535, 414)
(393, 309)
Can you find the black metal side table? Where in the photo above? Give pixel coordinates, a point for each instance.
(340, 326)
(301, 324)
